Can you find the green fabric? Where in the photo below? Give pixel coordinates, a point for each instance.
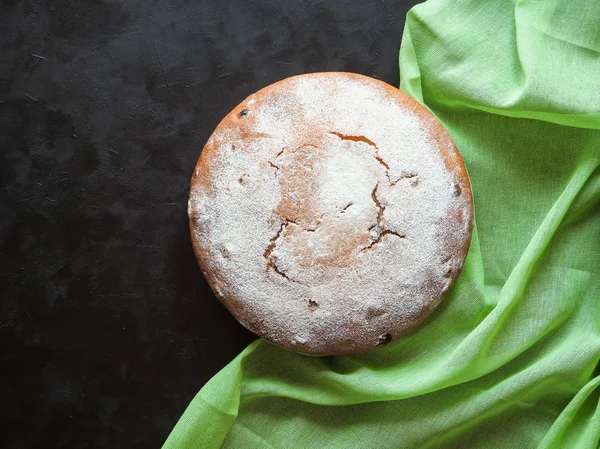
(510, 358)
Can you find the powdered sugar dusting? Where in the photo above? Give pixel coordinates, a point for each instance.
(329, 215)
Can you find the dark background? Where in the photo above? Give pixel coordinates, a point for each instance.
(107, 328)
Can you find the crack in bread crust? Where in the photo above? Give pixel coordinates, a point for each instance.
(378, 158)
(271, 263)
(379, 229)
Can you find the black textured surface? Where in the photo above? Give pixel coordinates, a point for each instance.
(107, 328)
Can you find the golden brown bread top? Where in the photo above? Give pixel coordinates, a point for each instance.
(330, 212)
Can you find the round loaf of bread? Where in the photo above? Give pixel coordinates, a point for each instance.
(330, 212)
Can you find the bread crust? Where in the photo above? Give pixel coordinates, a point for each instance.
(296, 213)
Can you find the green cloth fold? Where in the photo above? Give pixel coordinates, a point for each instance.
(510, 358)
